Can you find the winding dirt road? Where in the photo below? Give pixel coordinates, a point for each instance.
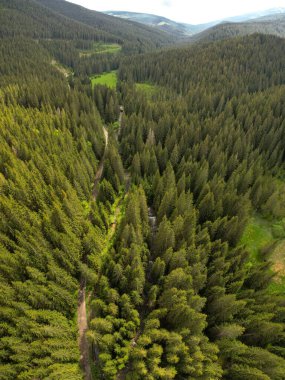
(83, 342)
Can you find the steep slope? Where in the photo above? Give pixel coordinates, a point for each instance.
(274, 25)
(135, 36)
(30, 19)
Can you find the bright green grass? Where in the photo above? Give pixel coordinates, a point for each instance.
(106, 79)
(277, 286)
(99, 48)
(257, 235)
(147, 88)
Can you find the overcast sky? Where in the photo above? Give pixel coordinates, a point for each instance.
(190, 11)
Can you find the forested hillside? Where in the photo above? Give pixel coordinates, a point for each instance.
(208, 148)
(135, 37)
(29, 19)
(131, 201)
(51, 142)
(274, 25)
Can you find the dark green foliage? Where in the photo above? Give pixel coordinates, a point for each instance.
(217, 152)
(216, 69)
(51, 141)
(43, 235)
(30, 19)
(136, 38)
(173, 295)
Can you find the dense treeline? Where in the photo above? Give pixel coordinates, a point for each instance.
(46, 173)
(28, 26)
(226, 68)
(207, 160)
(64, 29)
(137, 38)
(173, 295)
(51, 142)
(29, 19)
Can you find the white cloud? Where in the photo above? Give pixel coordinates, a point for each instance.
(167, 3)
(191, 11)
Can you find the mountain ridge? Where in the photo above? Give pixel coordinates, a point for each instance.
(181, 29)
(124, 30)
(263, 25)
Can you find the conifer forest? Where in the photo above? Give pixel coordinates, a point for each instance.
(142, 200)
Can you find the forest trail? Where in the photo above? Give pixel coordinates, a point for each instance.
(101, 167)
(278, 260)
(120, 120)
(61, 68)
(83, 326)
(114, 224)
(81, 311)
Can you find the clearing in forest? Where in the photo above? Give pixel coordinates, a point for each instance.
(260, 233)
(100, 48)
(106, 79)
(257, 235)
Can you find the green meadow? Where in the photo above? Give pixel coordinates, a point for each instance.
(257, 235)
(260, 233)
(106, 79)
(99, 48)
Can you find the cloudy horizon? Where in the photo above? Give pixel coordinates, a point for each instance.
(185, 11)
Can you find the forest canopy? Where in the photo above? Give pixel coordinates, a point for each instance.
(136, 198)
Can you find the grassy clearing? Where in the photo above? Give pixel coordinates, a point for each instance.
(277, 286)
(116, 215)
(106, 79)
(256, 236)
(99, 48)
(260, 233)
(278, 259)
